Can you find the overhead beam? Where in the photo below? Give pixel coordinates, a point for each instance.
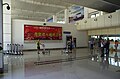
(43, 4)
(16, 9)
(24, 16)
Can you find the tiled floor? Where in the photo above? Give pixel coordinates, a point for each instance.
(77, 65)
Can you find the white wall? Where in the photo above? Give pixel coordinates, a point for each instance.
(18, 35)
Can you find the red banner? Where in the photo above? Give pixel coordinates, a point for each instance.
(34, 32)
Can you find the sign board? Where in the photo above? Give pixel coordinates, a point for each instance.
(35, 32)
(76, 13)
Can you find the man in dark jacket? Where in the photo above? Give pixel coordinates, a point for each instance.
(107, 46)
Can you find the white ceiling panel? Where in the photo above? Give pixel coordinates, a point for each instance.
(37, 8)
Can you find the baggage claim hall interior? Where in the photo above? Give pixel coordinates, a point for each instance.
(59, 39)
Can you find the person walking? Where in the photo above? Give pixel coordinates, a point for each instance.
(38, 46)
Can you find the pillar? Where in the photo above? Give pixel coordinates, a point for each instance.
(66, 16)
(54, 18)
(1, 36)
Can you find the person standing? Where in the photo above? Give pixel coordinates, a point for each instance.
(107, 46)
(69, 44)
(38, 46)
(102, 48)
(116, 45)
(91, 46)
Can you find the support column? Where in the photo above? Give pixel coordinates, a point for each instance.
(66, 16)
(7, 33)
(86, 12)
(1, 36)
(54, 18)
(1, 22)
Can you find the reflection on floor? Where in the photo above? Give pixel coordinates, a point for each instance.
(79, 64)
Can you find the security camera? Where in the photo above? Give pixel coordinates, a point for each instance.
(8, 7)
(44, 23)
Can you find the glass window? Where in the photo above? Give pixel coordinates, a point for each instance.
(93, 14)
(97, 15)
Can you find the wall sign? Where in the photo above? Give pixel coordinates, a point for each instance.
(34, 32)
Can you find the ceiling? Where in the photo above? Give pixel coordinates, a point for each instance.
(42, 9)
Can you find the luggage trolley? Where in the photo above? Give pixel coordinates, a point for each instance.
(65, 51)
(13, 47)
(21, 49)
(44, 51)
(16, 49)
(8, 48)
